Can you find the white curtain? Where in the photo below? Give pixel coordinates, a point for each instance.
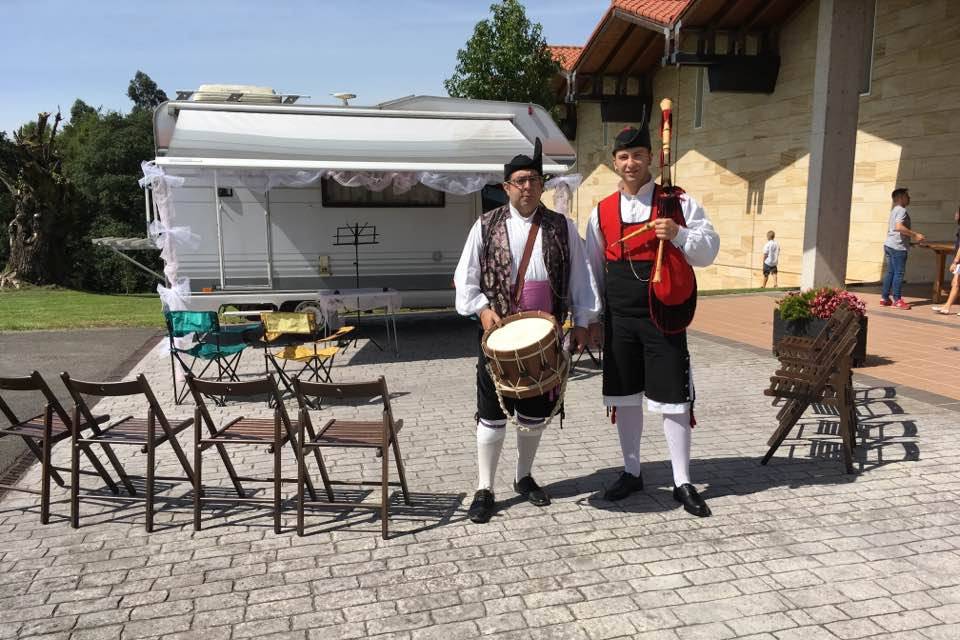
(167, 235)
(563, 187)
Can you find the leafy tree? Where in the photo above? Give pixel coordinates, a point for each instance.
(505, 59)
(102, 156)
(144, 92)
(91, 167)
(79, 110)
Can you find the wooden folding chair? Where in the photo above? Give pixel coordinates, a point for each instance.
(41, 432)
(274, 432)
(127, 431)
(380, 435)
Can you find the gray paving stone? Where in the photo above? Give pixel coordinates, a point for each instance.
(156, 627)
(608, 627)
(711, 631)
(111, 632)
(453, 631)
(46, 626)
(794, 551)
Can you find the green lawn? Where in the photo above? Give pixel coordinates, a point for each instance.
(49, 308)
(52, 308)
(727, 292)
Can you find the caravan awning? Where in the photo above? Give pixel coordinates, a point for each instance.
(362, 141)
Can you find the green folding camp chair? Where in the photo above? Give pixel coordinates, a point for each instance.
(211, 344)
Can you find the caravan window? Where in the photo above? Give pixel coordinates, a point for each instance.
(336, 195)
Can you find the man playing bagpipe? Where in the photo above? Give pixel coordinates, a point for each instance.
(641, 243)
(520, 257)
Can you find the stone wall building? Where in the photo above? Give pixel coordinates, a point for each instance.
(799, 116)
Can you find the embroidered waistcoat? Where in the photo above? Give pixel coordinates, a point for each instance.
(496, 259)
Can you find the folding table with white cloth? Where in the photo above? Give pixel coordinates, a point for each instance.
(335, 301)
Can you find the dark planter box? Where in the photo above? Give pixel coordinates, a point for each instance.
(810, 328)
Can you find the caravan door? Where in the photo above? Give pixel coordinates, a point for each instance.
(243, 229)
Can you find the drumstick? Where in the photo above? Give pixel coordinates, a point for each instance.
(666, 106)
(645, 227)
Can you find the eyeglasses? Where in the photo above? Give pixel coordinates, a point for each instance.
(528, 180)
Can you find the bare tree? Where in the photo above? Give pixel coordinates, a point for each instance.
(39, 192)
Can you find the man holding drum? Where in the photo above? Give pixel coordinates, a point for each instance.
(520, 257)
(640, 357)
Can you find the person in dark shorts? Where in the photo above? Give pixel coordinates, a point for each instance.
(771, 256)
(555, 279)
(639, 360)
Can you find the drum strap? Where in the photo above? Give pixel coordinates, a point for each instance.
(525, 260)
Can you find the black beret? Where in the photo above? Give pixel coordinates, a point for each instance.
(525, 162)
(631, 137)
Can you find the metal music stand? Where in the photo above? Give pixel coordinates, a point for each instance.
(357, 235)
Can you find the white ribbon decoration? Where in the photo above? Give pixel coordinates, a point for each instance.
(563, 187)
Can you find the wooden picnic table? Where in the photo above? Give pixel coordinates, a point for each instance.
(941, 250)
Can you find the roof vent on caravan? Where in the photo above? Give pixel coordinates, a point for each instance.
(235, 93)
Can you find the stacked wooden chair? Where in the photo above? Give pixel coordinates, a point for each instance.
(817, 370)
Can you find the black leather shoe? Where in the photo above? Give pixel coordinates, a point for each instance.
(481, 509)
(528, 487)
(687, 495)
(626, 484)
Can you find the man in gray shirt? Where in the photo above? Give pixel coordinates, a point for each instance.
(895, 249)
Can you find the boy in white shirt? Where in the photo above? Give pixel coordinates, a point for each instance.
(771, 255)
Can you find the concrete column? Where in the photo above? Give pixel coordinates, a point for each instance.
(841, 35)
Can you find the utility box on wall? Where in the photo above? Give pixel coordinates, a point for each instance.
(323, 265)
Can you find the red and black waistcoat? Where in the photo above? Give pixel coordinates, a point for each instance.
(640, 248)
(628, 264)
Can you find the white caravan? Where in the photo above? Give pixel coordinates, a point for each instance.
(272, 192)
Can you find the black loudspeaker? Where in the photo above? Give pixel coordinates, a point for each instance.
(632, 109)
(745, 74)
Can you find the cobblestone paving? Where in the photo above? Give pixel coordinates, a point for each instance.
(795, 550)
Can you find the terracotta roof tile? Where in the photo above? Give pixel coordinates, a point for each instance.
(661, 11)
(566, 55)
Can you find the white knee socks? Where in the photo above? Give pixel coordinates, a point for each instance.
(676, 427)
(489, 446)
(630, 429)
(527, 444)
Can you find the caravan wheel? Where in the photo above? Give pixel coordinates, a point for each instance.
(311, 306)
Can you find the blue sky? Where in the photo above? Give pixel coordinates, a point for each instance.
(54, 51)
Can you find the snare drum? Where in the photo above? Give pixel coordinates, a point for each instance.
(524, 354)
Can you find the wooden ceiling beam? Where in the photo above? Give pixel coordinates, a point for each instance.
(622, 40)
(758, 13)
(651, 43)
(721, 13)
